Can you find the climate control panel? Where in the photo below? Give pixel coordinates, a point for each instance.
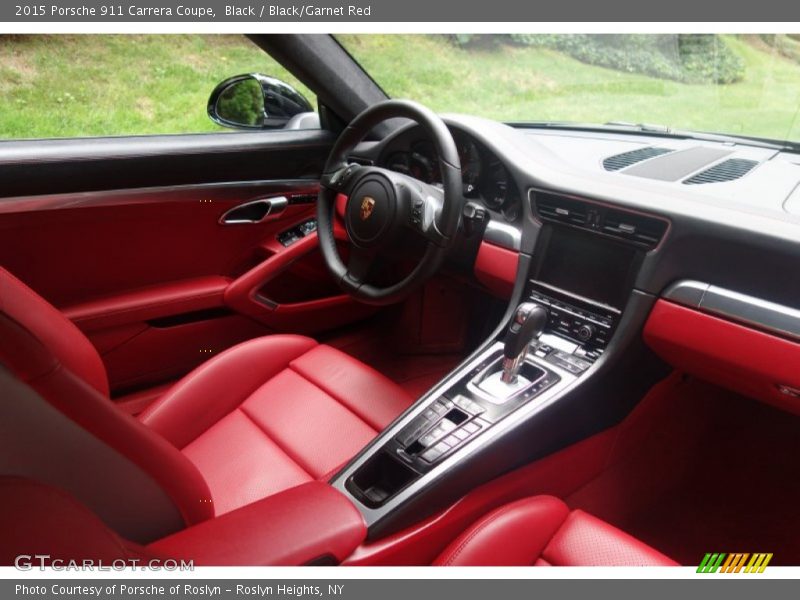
(588, 324)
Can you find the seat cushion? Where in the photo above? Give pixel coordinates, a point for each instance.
(273, 413)
(542, 531)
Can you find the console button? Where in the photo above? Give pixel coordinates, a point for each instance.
(462, 402)
(412, 431)
(451, 440)
(585, 332)
(461, 434)
(444, 427)
(471, 427)
(431, 454)
(468, 405)
(427, 440)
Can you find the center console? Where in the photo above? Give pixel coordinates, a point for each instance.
(558, 330)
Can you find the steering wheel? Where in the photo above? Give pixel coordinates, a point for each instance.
(381, 206)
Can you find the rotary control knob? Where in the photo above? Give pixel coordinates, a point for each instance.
(586, 332)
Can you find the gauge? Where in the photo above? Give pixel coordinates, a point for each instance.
(423, 162)
(470, 166)
(399, 162)
(495, 193)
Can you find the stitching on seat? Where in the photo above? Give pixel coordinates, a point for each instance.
(488, 521)
(478, 529)
(336, 399)
(289, 455)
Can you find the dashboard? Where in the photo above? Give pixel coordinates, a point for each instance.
(714, 211)
(645, 251)
(485, 177)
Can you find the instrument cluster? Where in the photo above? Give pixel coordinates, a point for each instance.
(484, 176)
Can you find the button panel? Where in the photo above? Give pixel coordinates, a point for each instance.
(584, 322)
(290, 236)
(444, 426)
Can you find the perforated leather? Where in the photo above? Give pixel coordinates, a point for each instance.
(541, 531)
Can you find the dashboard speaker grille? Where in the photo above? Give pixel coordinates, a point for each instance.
(727, 170)
(626, 159)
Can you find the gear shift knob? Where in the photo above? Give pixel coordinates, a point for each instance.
(529, 322)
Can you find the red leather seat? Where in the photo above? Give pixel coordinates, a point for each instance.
(273, 413)
(543, 531)
(259, 418)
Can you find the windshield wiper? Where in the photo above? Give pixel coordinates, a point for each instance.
(669, 132)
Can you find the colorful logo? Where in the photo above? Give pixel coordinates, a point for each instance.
(367, 206)
(740, 562)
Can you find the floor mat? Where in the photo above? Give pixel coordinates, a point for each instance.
(698, 469)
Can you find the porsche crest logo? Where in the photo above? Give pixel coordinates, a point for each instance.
(367, 206)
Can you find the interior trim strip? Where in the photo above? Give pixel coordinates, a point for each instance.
(503, 234)
(748, 310)
(208, 192)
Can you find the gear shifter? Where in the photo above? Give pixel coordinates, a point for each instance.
(529, 321)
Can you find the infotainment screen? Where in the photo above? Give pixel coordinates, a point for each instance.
(588, 265)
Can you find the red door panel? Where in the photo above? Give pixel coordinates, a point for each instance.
(146, 273)
(77, 247)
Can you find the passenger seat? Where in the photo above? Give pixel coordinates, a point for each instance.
(543, 531)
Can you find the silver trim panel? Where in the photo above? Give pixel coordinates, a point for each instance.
(205, 192)
(748, 310)
(503, 234)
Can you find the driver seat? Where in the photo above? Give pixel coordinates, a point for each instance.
(264, 416)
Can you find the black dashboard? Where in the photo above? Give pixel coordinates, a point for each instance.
(741, 232)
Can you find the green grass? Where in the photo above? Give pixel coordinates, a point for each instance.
(525, 84)
(62, 86)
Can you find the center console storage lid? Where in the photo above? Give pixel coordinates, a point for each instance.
(310, 523)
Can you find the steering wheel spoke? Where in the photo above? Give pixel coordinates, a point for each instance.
(424, 207)
(341, 180)
(359, 264)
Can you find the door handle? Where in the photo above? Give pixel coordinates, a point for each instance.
(254, 211)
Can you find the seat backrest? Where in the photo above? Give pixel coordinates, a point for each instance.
(48, 353)
(30, 315)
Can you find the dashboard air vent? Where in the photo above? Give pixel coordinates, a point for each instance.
(557, 208)
(727, 170)
(626, 159)
(634, 227)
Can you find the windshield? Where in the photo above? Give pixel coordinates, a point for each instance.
(733, 84)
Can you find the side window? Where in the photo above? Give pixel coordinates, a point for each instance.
(56, 86)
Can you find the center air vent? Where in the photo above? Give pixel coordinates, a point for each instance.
(727, 170)
(558, 208)
(626, 159)
(636, 228)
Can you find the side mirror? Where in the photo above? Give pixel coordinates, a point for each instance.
(256, 101)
